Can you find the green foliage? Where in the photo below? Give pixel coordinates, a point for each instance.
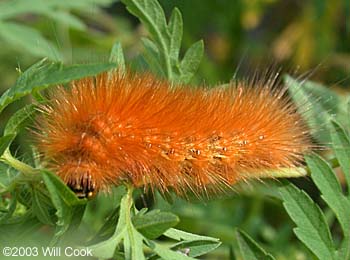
(312, 227)
(163, 52)
(249, 249)
(318, 104)
(31, 40)
(43, 74)
(117, 56)
(154, 223)
(136, 230)
(5, 141)
(341, 147)
(19, 120)
(68, 206)
(34, 199)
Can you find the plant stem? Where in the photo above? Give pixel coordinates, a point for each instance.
(26, 172)
(18, 165)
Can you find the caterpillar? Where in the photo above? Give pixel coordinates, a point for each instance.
(137, 129)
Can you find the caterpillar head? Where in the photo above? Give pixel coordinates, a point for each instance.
(80, 178)
(84, 187)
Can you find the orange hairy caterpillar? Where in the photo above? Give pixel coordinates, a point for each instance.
(133, 128)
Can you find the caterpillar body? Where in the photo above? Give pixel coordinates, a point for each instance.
(134, 128)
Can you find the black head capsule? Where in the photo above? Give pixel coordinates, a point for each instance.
(84, 188)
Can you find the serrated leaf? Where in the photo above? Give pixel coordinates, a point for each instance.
(312, 227)
(132, 239)
(154, 223)
(249, 249)
(28, 40)
(325, 179)
(182, 235)
(341, 147)
(117, 56)
(191, 61)
(5, 142)
(19, 120)
(152, 15)
(43, 74)
(163, 53)
(68, 206)
(316, 104)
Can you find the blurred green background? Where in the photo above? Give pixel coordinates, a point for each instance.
(307, 38)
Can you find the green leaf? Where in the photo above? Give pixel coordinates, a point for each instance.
(28, 40)
(133, 243)
(133, 240)
(12, 8)
(316, 103)
(41, 207)
(332, 194)
(152, 16)
(191, 61)
(312, 227)
(108, 228)
(163, 53)
(192, 244)
(5, 142)
(154, 223)
(175, 30)
(166, 253)
(341, 147)
(325, 179)
(232, 254)
(196, 248)
(152, 56)
(66, 18)
(249, 249)
(19, 120)
(43, 74)
(6, 213)
(117, 56)
(104, 204)
(68, 205)
(182, 235)
(106, 249)
(7, 174)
